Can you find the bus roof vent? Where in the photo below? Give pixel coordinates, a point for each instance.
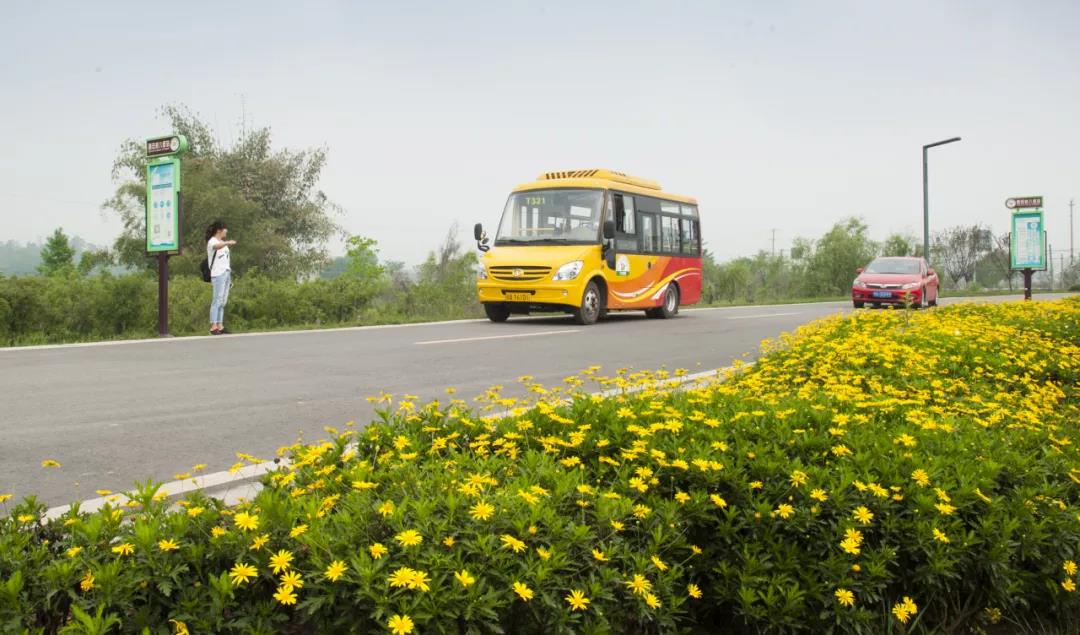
(610, 175)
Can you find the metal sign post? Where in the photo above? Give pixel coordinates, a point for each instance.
(163, 209)
(1027, 242)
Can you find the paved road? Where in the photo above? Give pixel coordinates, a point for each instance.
(113, 413)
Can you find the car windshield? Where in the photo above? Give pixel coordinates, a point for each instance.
(551, 216)
(893, 265)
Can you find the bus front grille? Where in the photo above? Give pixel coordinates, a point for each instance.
(523, 273)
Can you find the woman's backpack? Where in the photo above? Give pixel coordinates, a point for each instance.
(205, 267)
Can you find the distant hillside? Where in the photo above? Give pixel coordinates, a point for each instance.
(22, 259)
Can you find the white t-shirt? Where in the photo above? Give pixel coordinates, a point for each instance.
(219, 264)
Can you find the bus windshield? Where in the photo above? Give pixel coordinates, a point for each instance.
(551, 217)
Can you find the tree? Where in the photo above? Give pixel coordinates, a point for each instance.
(57, 256)
(92, 259)
(899, 245)
(269, 199)
(960, 248)
(831, 261)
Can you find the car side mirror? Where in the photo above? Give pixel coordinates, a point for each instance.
(609, 229)
(859, 270)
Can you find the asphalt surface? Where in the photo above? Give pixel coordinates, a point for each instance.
(114, 413)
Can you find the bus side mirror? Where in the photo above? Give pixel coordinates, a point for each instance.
(478, 231)
(609, 229)
(609, 257)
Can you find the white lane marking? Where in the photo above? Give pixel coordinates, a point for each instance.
(241, 484)
(761, 315)
(495, 337)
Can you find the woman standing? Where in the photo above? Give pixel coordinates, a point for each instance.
(217, 254)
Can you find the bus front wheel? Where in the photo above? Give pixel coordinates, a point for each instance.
(591, 305)
(497, 312)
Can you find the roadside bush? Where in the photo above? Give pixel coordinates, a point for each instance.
(890, 471)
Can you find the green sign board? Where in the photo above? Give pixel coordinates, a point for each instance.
(1028, 245)
(163, 193)
(163, 205)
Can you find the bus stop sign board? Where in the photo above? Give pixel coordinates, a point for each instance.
(163, 193)
(1028, 248)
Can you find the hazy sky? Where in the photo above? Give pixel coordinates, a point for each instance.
(785, 115)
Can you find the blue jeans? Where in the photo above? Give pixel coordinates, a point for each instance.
(221, 296)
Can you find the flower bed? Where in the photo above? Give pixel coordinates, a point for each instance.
(889, 471)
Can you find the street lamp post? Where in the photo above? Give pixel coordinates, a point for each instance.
(926, 197)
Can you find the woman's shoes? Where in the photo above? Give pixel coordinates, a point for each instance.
(217, 331)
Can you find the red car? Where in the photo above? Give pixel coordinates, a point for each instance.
(898, 281)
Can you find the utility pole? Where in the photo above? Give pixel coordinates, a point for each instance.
(774, 242)
(1051, 249)
(1070, 232)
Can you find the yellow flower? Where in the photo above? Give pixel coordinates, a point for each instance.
(921, 477)
(577, 600)
(124, 549)
(845, 597)
(218, 532)
(694, 591)
(280, 561)
(1069, 566)
(819, 495)
(1068, 585)
(194, 511)
(386, 509)
(246, 521)
(180, 628)
(49, 463)
(599, 555)
(658, 563)
(785, 511)
(167, 545)
(639, 584)
(863, 515)
(682, 497)
(543, 553)
(718, 501)
(335, 570)
(512, 543)
(409, 538)
(617, 526)
(241, 573)
(87, 582)
(524, 592)
(297, 531)
(940, 536)
(259, 541)
(798, 478)
(945, 509)
(74, 551)
(25, 518)
(377, 550)
(465, 578)
(904, 610)
(400, 578)
(481, 511)
(292, 580)
(652, 601)
(448, 542)
(285, 595)
(400, 625)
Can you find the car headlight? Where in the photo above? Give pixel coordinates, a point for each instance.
(859, 284)
(481, 273)
(910, 285)
(569, 271)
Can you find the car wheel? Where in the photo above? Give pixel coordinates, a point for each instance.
(858, 305)
(591, 305)
(497, 312)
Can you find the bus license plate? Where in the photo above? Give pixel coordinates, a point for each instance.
(882, 294)
(518, 297)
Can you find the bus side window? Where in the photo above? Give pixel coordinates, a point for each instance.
(690, 242)
(669, 234)
(647, 225)
(626, 235)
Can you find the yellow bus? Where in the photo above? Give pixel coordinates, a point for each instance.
(587, 242)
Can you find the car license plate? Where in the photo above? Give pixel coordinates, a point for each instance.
(882, 294)
(518, 297)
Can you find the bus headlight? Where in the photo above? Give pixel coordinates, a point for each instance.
(481, 273)
(569, 271)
